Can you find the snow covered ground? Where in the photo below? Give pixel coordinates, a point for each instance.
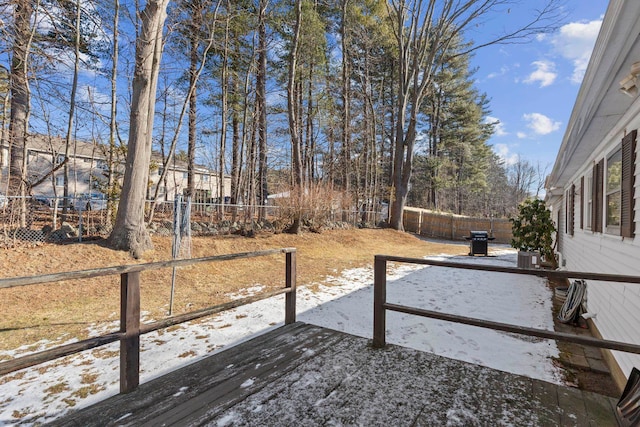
(344, 303)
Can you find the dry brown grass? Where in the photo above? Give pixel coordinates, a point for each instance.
(64, 310)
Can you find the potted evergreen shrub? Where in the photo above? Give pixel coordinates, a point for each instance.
(533, 234)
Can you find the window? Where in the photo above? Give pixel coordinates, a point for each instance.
(185, 175)
(620, 188)
(205, 178)
(59, 180)
(588, 201)
(613, 191)
(160, 170)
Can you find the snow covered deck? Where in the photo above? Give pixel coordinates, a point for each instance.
(302, 374)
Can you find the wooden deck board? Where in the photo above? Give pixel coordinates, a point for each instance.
(247, 377)
(306, 375)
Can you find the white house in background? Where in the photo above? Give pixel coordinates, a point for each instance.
(87, 165)
(593, 189)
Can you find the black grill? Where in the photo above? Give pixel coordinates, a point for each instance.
(478, 243)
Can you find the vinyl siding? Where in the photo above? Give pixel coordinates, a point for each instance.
(616, 305)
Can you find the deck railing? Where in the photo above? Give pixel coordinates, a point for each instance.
(130, 327)
(380, 304)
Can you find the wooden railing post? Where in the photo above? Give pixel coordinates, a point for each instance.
(290, 298)
(379, 299)
(130, 325)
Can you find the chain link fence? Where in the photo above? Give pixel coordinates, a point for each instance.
(36, 219)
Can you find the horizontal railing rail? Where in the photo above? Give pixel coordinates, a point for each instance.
(132, 268)
(380, 304)
(130, 327)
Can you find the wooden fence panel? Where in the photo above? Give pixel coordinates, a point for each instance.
(454, 227)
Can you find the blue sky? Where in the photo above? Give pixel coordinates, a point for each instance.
(533, 86)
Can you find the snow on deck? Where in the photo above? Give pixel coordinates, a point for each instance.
(302, 374)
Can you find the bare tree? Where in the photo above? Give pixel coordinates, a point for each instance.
(346, 99)
(72, 108)
(20, 100)
(129, 232)
(113, 127)
(189, 103)
(194, 30)
(294, 122)
(541, 176)
(424, 30)
(261, 104)
(522, 177)
(4, 113)
(224, 111)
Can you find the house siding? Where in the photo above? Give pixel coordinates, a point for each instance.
(616, 305)
(86, 165)
(601, 117)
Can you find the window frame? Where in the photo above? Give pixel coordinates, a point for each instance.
(588, 201)
(613, 189)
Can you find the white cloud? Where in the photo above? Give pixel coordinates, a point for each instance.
(544, 73)
(498, 126)
(541, 124)
(92, 95)
(502, 150)
(575, 42)
(521, 135)
(503, 70)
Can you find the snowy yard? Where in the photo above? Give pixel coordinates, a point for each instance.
(343, 303)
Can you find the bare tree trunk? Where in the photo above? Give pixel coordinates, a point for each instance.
(20, 103)
(434, 148)
(183, 111)
(309, 147)
(224, 85)
(346, 103)
(194, 43)
(5, 116)
(251, 168)
(235, 142)
(294, 122)
(112, 166)
(261, 102)
(248, 134)
(193, 114)
(72, 109)
(130, 232)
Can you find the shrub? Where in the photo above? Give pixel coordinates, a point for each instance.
(312, 207)
(533, 229)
